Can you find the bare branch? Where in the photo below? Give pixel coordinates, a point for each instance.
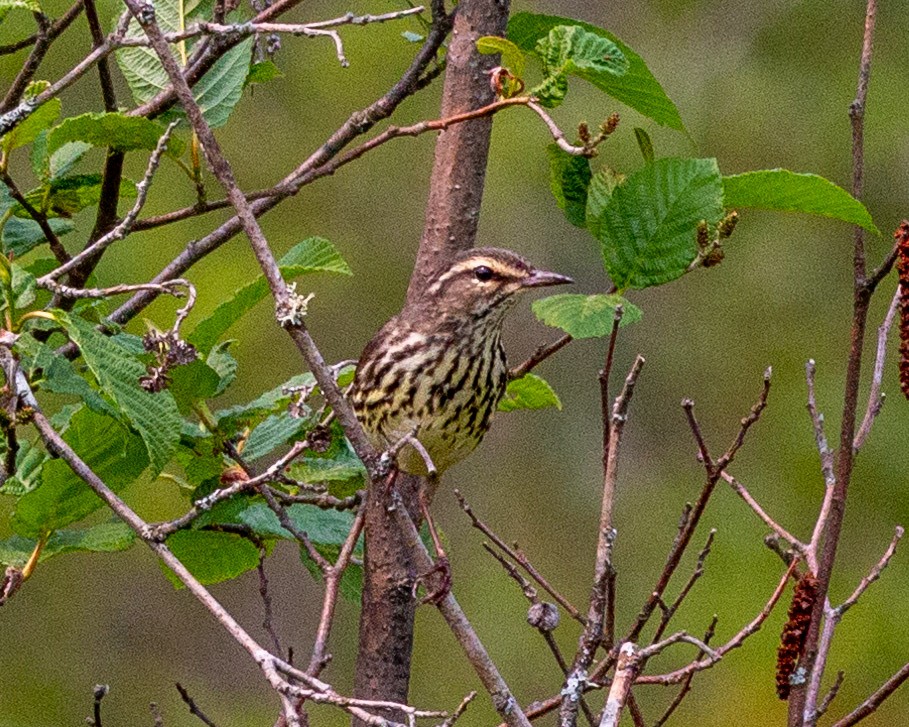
(742, 492)
(872, 576)
(123, 228)
(875, 397)
(589, 641)
(521, 559)
(686, 684)
(52, 240)
(193, 708)
(626, 671)
(56, 28)
(538, 356)
(830, 695)
(870, 705)
(670, 610)
(30, 67)
(736, 641)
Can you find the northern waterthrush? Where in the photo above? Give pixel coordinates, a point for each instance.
(436, 371)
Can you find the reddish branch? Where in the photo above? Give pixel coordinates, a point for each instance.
(802, 703)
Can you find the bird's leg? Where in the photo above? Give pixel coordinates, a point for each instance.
(441, 566)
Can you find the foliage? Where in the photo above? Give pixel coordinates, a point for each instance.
(651, 224)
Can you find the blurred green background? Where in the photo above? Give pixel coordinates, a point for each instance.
(759, 85)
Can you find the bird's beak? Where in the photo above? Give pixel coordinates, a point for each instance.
(540, 278)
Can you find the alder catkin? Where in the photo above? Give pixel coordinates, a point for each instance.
(792, 641)
(902, 267)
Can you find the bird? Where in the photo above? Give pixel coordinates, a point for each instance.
(434, 374)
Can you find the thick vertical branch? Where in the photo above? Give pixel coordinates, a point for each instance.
(456, 190)
(459, 169)
(802, 701)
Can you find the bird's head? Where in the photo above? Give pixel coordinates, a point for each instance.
(482, 283)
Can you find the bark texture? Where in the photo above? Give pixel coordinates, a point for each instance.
(455, 195)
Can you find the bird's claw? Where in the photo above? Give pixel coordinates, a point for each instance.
(442, 570)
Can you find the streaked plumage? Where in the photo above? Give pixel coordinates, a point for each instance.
(438, 367)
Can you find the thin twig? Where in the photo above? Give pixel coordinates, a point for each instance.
(52, 240)
(872, 576)
(538, 616)
(670, 610)
(56, 28)
(521, 559)
(30, 67)
(268, 621)
(538, 356)
(803, 700)
(679, 675)
(742, 492)
(332, 586)
(830, 695)
(870, 705)
(875, 397)
(686, 684)
(193, 707)
(122, 229)
(589, 641)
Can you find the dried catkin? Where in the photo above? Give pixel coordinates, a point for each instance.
(792, 640)
(902, 267)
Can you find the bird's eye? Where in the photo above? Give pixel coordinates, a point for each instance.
(482, 273)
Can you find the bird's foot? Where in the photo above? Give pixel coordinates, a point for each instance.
(440, 573)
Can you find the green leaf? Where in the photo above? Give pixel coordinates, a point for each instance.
(648, 227)
(324, 527)
(211, 556)
(23, 4)
(223, 364)
(112, 452)
(155, 416)
(113, 129)
(599, 192)
(636, 88)
(551, 91)
(344, 466)
(570, 49)
(21, 236)
(65, 196)
(262, 72)
(26, 132)
(23, 287)
(270, 402)
(104, 538)
(529, 392)
(271, 433)
(644, 144)
(585, 316)
(780, 189)
(314, 254)
(569, 177)
(191, 383)
(66, 157)
(219, 90)
(512, 56)
(343, 472)
(59, 374)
